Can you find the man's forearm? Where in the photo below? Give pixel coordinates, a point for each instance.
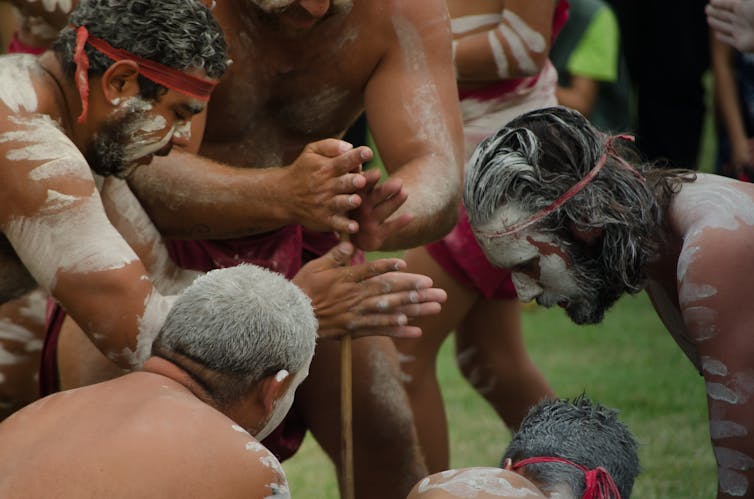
(189, 196)
(433, 201)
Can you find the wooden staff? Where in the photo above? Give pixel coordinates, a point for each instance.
(346, 411)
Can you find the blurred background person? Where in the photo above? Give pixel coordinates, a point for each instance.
(592, 73)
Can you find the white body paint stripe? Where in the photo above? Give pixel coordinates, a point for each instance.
(519, 51)
(466, 24)
(501, 60)
(532, 38)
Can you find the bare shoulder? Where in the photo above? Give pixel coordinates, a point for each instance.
(479, 482)
(212, 456)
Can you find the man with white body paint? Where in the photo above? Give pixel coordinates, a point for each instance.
(302, 71)
(564, 449)
(579, 225)
(502, 67)
(223, 372)
(55, 229)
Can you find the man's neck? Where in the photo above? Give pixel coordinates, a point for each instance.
(168, 369)
(66, 96)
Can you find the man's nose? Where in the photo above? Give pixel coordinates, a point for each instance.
(316, 8)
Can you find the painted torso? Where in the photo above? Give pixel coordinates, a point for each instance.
(712, 229)
(131, 437)
(282, 92)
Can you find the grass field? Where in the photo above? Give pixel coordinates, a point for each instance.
(628, 362)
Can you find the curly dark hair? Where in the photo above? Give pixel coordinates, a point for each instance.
(181, 34)
(581, 431)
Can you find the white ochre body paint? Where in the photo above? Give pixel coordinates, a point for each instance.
(466, 24)
(472, 482)
(137, 228)
(16, 88)
(78, 239)
(63, 6)
(424, 104)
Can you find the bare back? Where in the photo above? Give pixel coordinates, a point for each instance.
(141, 435)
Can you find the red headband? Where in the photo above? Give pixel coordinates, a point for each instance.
(599, 483)
(180, 81)
(575, 189)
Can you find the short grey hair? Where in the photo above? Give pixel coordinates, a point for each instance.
(239, 325)
(181, 34)
(539, 155)
(581, 431)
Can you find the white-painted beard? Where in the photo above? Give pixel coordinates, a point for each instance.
(130, 135)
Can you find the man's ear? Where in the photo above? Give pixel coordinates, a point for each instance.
(508, 464)
(587, 235)
(273, 388)
(120, 81)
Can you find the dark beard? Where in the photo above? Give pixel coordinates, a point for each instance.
(106, 153)
(600, 288)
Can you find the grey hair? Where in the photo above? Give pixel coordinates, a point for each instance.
(581, 431)
(539, 155)
(240, 325)
(181, 34)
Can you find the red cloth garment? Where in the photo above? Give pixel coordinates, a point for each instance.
(16, 46)
(460, 255)
(599, 482)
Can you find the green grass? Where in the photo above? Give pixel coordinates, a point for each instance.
(629, 362)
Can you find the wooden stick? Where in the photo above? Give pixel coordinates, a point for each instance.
(346, 412)
(346, 417)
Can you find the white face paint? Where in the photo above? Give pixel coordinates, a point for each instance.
(183, 132)
(473, 482)
(143, 135)
(16, 88)
(284, 403)
(9, 331)
(535, 275)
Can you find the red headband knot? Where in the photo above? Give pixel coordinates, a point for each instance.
(599, 483)
(193, 86)
(575, 189)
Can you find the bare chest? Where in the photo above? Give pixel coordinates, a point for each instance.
(275, 99)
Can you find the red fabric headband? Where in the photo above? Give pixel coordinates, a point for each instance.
(575, 189)
(599, 483)
(180, 81)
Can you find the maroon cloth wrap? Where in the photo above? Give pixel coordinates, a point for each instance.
(460, 255)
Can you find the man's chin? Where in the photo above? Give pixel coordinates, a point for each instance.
(584, 314)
